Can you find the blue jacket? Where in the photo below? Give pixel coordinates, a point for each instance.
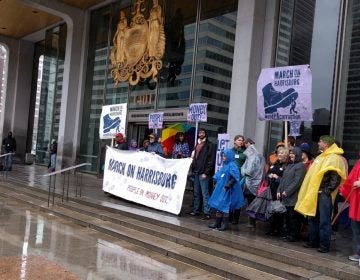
(222, 199)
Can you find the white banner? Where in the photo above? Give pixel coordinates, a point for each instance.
(284, 93)
(112, 120)
(146, 178)
(156, 120)
(222, 144)
(197, 112)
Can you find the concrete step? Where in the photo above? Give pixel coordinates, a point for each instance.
(214, 264)
(261, 247)
(227, 251)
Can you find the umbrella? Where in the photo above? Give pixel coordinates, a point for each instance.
(168, 136)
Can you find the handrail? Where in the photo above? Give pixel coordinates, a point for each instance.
(64, 172)
(65, 169)
(4, 155)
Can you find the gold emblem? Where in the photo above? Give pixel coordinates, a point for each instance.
(138, 49)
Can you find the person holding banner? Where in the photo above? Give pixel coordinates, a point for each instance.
(181, 147)
(203, 167)
(120, 142)
(350, 190)
(154, 145)
(228, 194)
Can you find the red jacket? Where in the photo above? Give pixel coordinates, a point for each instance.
(354, 199)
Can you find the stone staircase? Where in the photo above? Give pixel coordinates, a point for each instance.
(227, 255)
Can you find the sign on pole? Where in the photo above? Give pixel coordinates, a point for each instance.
(222, 144)
(112, 120)
(284, 93)
(156, 120)
(197, 113)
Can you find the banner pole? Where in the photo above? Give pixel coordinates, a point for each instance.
(196, 132)
(286, 135)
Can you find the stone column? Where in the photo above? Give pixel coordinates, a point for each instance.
(254, 49)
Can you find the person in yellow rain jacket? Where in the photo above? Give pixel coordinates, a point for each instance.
(318, 191)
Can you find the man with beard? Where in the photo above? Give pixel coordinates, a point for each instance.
(203, 167)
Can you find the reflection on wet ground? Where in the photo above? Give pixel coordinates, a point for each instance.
(37, 245)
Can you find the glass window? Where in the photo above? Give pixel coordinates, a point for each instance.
(214, 60)
(175, 77)
(305, 27)
(51, 91)
(348, 121)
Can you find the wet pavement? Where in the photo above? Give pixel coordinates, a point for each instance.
(36, 245)
(66, 250)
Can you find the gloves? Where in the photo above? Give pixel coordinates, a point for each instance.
(230, 183)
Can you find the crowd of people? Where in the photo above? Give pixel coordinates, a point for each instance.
(307, 188)
(298, 191)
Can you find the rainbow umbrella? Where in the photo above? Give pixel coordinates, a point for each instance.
(168, 136)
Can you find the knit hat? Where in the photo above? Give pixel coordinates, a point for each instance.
(328, 139)
(305, 148)
(119, 135)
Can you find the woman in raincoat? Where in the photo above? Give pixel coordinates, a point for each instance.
(228, 194)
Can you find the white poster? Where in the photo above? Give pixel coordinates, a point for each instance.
(146, 178)
(112, 120)
(222, 144)
(156, 120)
(197, 112)
(284, 93)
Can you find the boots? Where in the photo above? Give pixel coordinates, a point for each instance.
(235, 217)
(217, 223)
(225, 224)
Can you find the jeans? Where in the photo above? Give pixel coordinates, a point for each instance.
(52, 162)
(8, 162)
(356, 234)
(201, 191)
(320, 225)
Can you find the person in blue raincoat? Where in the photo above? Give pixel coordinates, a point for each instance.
(227, 195)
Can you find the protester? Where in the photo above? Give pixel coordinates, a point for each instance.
(318, 192)
(120, 142)
(154, 145)
(9, 147)
(274, 175)
(202, 167)
(351, 191)
(306, 156)
(228, 194)
(273, 156)
(253, 170)
(181, 147)
(146, 144)
(288, 190)
(133, 145)
(240, 158)
(53, 152)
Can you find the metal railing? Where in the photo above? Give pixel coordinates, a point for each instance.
(66, 181)
(5, 172)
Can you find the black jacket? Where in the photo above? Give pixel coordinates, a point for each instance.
(9, 144)
(205, 162)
